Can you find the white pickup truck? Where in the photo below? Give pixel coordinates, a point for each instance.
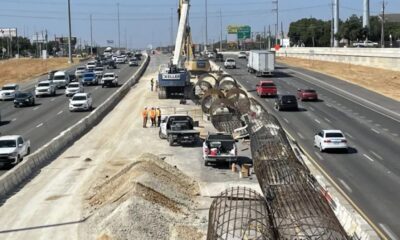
(13, 149)
(219, 147)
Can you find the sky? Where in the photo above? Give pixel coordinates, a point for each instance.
(149, 22)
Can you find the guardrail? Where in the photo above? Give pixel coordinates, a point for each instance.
(20, 174)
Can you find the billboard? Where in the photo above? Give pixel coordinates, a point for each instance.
(64, 40)
(8, 32)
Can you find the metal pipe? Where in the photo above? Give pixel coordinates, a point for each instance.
(69, 34)
(336, 21)
(366, 14)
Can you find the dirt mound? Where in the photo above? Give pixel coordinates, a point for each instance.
(142, 201)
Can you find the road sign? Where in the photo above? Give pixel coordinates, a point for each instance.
(244, 32)
(277, 47)
(8, 32)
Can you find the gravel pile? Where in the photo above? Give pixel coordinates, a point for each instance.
(148, 199)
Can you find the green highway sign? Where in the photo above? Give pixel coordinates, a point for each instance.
(244, 32)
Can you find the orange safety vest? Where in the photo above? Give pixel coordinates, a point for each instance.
(144, 113)
(152, 113)
(158, 112)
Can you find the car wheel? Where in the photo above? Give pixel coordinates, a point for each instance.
(320, 148)
(33, 102)
(160, 135)
(206, 163)
(170, 141)
(29, 151)
(16, 105)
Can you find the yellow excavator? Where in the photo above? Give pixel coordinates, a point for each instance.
(195, 65)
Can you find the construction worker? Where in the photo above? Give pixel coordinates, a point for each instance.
(151, 84)
(158, 115)
(145, 116)
(153, 117)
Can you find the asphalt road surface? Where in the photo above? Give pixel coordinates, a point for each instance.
(50, 115)
(370, 173)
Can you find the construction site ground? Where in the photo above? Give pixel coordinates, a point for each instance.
(24, 69)
(121, 181)
(382, 81)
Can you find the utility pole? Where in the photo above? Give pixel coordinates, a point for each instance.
(282, 33)
(332, 26)
(119, 29)
(336, 22)
(269, 37)
(206, 9)
(91, 35)
(383, 25)
(277, 20)
(69, 33)
(220, 37)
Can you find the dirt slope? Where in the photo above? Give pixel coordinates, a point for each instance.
(384, 82)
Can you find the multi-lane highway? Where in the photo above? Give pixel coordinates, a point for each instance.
(51, 116)
(370, 173)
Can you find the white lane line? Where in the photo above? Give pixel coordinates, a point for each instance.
(301, 136)
(395, 134)
(350, 136)
(368, 157)
(329, 121)
(386, 130)
(13, 120)
(52, 100)
(60, 112)
(376, 131)
(345, 185)
(96, 88)
(36, 108)
(376, 155)
(38, 126)
(317, 121)
(328, 105)
(312, 109)
(388, 232)
(284, 119)
(318, 155)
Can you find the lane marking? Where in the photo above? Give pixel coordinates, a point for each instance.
(284, 119)
(368, 157)
(329, 121)
(316, 120)
(38, 126)
(312, 109)
(345, 185)
(52, 100)
(60, 112)
(329, 105)
(355, 96)
(389, 232)
(395, 134)
(36, 108)
(376, 155)
(13, 120)
(96, 88)
(340, 190)
(301, 136)
(376, 131)
(319, 155)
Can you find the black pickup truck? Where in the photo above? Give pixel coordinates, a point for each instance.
(179, 129)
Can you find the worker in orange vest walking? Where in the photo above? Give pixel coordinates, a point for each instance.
(158, 115)
(145, 116)
(153, 117)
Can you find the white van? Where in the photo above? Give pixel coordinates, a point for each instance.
(61, 79)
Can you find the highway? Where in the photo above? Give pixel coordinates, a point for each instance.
(370, 173)
(50, 116)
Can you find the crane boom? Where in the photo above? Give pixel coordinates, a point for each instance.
(182, 32)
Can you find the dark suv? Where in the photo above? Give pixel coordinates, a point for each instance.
(286, 102)
(24, 99)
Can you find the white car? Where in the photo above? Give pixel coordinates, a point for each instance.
(73, 88)
(366, 44)
(242, 55)
(80, 71)
(120, 60)
(8, 91)
(230, 63)
(99, 72)
(61, 79)
(13, 149)
(330, 139)
(81, 102)
(45, 88)
(90, 65)
(109, 79)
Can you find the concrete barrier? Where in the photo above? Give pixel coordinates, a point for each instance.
(20, 174)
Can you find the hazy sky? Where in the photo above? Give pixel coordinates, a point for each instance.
(148, 22)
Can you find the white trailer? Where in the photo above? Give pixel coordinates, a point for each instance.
(261, 62)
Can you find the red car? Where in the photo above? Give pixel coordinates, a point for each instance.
(266, 88)
(307, 94)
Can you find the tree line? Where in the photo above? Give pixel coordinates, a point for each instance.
(311, 32)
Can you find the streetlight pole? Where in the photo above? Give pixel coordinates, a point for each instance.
(69, 34)
(220, 38)
(119, 29)
(91, 36)
(206, 42)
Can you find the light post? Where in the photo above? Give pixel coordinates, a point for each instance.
(69, 34)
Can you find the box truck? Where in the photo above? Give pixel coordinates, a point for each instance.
(261, 62)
